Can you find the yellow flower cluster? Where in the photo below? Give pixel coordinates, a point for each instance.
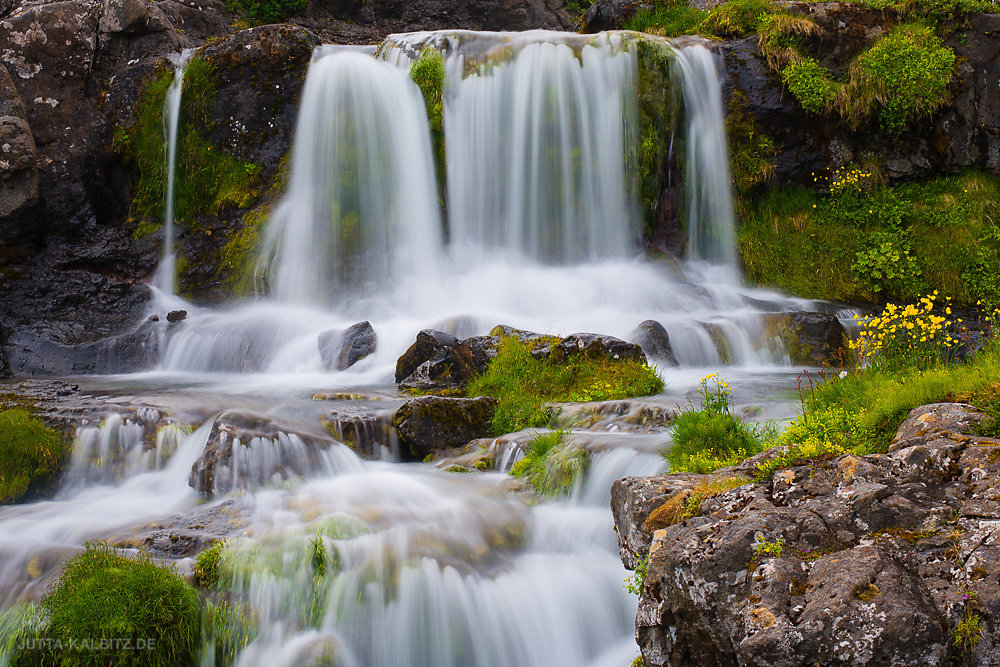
(909, 334)
(714, 399)
(844, 180)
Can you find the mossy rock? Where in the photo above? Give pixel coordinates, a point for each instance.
(31, 455)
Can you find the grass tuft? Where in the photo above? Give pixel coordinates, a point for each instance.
(30, 454)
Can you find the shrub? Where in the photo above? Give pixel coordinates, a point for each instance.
(30, 454)
(551, 465)
(266, 11)
(809, 82)
(129, 603)
(912, 336)
(523, 384)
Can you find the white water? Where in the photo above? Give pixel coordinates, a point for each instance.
(166, 273)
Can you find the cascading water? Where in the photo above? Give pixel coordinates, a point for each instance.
(166, 272)
(360, 215)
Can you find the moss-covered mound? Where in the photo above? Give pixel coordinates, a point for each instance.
(108, 609)
(30, 454)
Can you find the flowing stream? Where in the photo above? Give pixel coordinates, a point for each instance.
(425, 567)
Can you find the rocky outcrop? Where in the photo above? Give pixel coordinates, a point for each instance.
(654, 340)
(609, 14)
(342, 349)
(439, 362)
(872, 560)
(810, 339)
(18, 173)
(596, 345)
(432, 423)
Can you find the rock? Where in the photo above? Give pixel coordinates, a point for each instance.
(427, 345)
(361, 429)
(540, 344)
(177, 315)
(609, 15)
(432, 423)
(437, 361)
(597, 345)
(342, 349)
(18, 173)
(5, 371)
(856, 560)
(655, 342)
(249, 451)
(134, 351)
(811, 339)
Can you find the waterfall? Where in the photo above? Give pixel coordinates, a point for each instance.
(166, 272)
(537, 152)
(360, 214)
(711, 221)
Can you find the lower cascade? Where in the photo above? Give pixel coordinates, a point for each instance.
(264, 429)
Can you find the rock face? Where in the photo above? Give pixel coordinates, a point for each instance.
(811, 339)
(363, 430)
(342, 349)
(18, 173)
(869, 560)
(432, 423)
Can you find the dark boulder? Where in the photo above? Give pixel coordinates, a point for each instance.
(811, 339)
(431, 423)
(177, 316)
(342, 349)
(655, 342)
(29, 354)
(427, 345)
(437, 361)
(597, 345)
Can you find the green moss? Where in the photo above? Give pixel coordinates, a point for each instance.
(657, 107)
(881, 242)
(206, 566)
(102, 595)
(811, 85)
(30, 455)
(736, 18)
(428, 73)
(551, 465)
(208, 180)
(751, 151)
(523, 384)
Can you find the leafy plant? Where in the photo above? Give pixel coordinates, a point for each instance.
(635, 582)
(911, 336)
(809, 82)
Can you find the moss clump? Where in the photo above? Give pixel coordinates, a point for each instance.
(657, 108)
(522, 384)
(206, 565)
(428, 73)
(751, 151)
(145, 613)
(208, 180)
(811, 85)
(877, 241)
(551, 464)
(30, 454)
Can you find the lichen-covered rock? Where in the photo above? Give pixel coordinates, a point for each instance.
(597, 345)
(431, 423)
(428, 344)
(340, 350)
(869, 560)
(811, 339)
(654, 340)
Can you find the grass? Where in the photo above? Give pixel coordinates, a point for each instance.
(941, 234)
(30, 457)
(551, 465)
(259, 12)
(206, 566)
(128, 602)
(687, 504)
(667, 19)
(523, 384)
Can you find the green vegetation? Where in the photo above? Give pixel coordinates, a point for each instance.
(206, 566)
(657, 107)
(428, 73)
(968, 631)
(523, 384)
(208, 180)
(763, 547)
(30, 455)
(736, 18)
(259, 12)
(668, 18)
(711, 437)
(865, 241)
(686, 504)
(551, 464)
(751, 151)
(228, 628)
(635, 582)
(128, 603)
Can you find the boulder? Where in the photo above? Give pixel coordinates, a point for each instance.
(427, 345)
(439, 362)
(431, 423)
(130, 352)
(869, 560)
(597, 345)
(248, 451)
(655, 342)
(540, 344)
(811, 339)
(342, 349)
(365, 431)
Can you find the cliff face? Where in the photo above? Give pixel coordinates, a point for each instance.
(876, 560)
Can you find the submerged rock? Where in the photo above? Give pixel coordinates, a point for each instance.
(362, 430)
(654, 340)
(811, 339)
(431, 423)
(340, 350)
(871, 560)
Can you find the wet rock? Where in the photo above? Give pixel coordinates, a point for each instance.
(430, 423)
(438, 362)
(18, 173)
(609, 14)
(130, 352)
(855, 560)
(655, 342)
(540, 344)
(342, 349)
(427, 345)
(177, 315)
(597, 345)
(811, 339)
(249, 451)
(363, 430)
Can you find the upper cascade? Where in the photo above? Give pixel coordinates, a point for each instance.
(360, 213)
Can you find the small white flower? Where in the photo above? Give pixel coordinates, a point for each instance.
(842, 375)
